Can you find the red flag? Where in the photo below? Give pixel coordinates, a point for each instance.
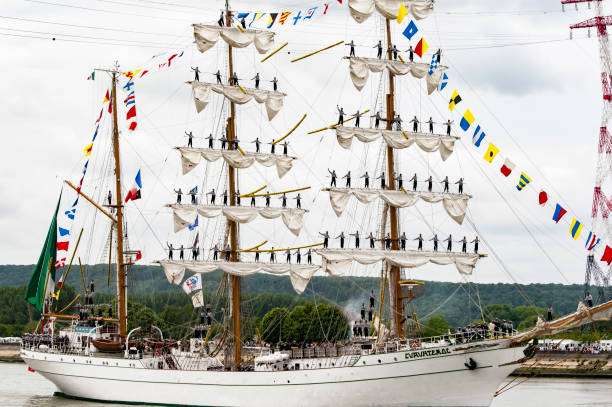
(543, 198)
(110, 108)
(31, 370)
(139, 255)
(99, 117)
(284, 16)
(143, 73)
(133, 126)
(131, 113)
(171, 58)
(62, 246)
(607, 256)
(106, 97)
(326, 7)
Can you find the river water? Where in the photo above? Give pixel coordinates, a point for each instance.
(21, 388)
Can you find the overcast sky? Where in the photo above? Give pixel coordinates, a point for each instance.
(536, 93)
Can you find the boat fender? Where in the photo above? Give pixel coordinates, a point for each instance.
(471, 364)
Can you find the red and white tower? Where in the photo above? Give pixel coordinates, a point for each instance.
(600, 223)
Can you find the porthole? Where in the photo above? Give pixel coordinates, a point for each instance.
(379, 361)
(395, 359)
(364, 362)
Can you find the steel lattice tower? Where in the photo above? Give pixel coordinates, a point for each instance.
(602, 206)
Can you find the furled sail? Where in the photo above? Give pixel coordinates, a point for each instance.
(361, 67)
(206, 36)
(300, 274)
(582, 316)
(455, 205)
(191, 157)
(272, 100)
(398, 139)
(362, 9)
(185, 215)
(338, 261)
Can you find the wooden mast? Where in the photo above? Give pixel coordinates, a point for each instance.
(234, 280)
(121, 285)
(394, 273)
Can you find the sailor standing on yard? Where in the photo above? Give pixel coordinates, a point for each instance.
(333, 177)
(284, 200)
(352, 45)
(253, 200)
(357, 117)
(182, 253)
(285, 145)
(460, 182)
(429, 183)
(403, 240)
(363, 311)
(298, 256)
(341, 237)
(189, 139)
(449, 239)
(414, 182)
(272, 256)
(288, 255)
(445, 182)
(193, 193)
(411, 54)
(196, 71)
(356, 234)
(372, 239)
(340, 115)
(463, 245)
(309, 256)
(325, 239)
(377, 120)
(256, 78)
(431, 123)
(400, 181)
(415, 126)
(272, 146)
(212, 196)
(435, 242)
(366, 180)
(348, 179)
(179, 195)
(267, 199)
(218, 76)
(475, 241)
(257, 143)
(170, 250)
(215, 250)
(448, 127)
(379, 51)
(225, 197)
(298, 199)
(381, 177)
(210, 140)
(274, 84)
(388, 241)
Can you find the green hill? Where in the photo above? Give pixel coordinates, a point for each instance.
(457, 303)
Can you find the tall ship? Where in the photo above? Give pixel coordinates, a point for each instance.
(96, 357)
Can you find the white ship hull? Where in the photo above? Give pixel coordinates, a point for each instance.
(408, 378)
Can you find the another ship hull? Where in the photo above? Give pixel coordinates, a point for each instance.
(410, 378)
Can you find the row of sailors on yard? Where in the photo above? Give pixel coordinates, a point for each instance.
(234, 80)
(393, 50)
(396, 122)
(213, 197)
(235, 143)
(402, 239)
(399, 178)
(227, 252)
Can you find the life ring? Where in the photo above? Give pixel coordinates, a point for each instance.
(414, 343)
